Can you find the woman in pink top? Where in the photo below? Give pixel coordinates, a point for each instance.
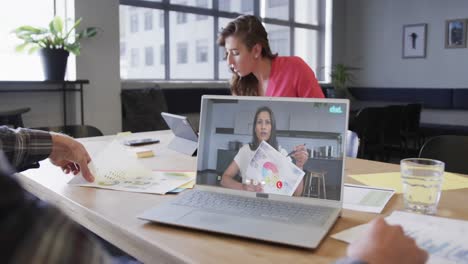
(256, 70)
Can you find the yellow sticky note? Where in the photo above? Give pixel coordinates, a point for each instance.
(123, 134)
(392, 180)
(188, 185)
(142, 152)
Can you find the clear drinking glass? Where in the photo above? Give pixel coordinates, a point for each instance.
(422, 181)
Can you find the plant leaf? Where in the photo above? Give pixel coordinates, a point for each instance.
(89, 32)
(33, 49)
(21, 47)
(78, 21)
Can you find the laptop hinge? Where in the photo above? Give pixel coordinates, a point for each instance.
(262, 195)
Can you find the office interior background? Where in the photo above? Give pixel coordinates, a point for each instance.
(172, 43)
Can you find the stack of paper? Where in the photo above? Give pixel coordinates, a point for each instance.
(446, 240)
(118, 169)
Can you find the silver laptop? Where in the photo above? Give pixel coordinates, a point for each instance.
(292, 200)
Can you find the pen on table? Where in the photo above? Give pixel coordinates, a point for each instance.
(294, 151)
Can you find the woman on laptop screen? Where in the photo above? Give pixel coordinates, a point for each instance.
(264, 129)
(256, 70)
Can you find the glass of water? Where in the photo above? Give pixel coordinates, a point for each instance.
(422, 182)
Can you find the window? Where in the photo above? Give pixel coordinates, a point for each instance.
(279, 39)
(204, 4)
(134, 58)
(224, 5)
(181, 18)
(149, 56)
(122, 49)
(278, 9)
(163, 56)
(186, 40)
(275, 3)
(247, 6)
(134, 23)
(148, 20)
(21, 66)
(202, 51)
(182, 53)
(161, 20)
(143, 62)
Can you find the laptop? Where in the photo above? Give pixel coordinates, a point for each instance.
(300, 219)
(185, 138)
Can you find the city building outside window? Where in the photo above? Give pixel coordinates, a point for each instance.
(202, 50)
(275, 3)
(187, 43)
(246, 6)
(204, 4)
(122, 49)
(149, 56)
(224, 5)
(163, 52)
(134, 59)
(161, 20)
(148, 20)
(134, 23)
(182, 52)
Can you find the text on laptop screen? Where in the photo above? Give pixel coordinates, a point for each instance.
(292, 147)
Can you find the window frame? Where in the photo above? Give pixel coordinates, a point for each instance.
(166, 6)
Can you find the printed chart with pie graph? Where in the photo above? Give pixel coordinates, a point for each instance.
(277, 172)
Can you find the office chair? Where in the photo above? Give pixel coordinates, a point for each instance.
(369, 126)
(75, 131)
(410, 132)
(13, 118)
(450, 149)
(141, 110)
(352, 144)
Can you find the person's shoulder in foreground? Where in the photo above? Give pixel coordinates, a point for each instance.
(383, 243)
(291, 76)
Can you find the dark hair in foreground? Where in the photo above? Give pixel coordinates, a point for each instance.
(272, 140)
(250, 31)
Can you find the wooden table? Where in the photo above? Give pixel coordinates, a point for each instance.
(111, 215)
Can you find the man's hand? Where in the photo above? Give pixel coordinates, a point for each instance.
(70, 155)
(383, 243)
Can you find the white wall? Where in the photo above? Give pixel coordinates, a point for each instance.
(373, 41)
(99, 62)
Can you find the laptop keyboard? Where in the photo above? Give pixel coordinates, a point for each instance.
(256, 207)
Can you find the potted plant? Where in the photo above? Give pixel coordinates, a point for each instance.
(342, 76)
(54, 44)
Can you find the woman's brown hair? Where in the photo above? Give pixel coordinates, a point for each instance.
(250, 31)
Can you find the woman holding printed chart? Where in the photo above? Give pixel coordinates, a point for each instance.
(264, 129)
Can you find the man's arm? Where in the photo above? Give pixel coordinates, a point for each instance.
(25, 147)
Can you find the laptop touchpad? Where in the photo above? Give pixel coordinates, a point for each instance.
(201, 218)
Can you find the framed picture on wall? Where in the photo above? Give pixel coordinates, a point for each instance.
(455, 33)
(414, 41)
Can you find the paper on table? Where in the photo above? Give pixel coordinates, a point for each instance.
(278, 173)
(117, 169)
(392, 180)
(446, 240)
(365, 198)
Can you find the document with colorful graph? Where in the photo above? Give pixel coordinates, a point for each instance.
(116, 168)
(275, 171)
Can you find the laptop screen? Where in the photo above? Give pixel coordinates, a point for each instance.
(282, 146)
